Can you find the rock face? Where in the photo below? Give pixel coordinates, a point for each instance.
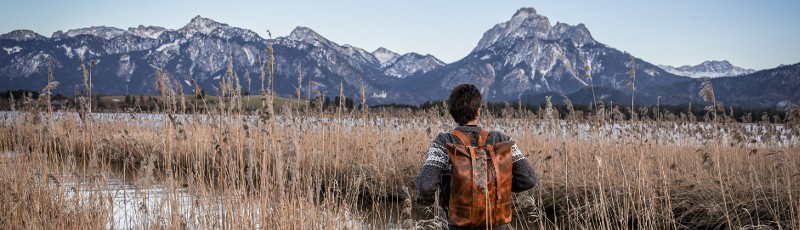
(522, 58)
(527, 55)
(200, 52)
(22, 35)
(710, 69)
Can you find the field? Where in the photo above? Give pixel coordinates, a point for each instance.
(298, 164)
(305, 168)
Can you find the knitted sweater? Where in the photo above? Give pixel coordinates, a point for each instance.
(435, 173)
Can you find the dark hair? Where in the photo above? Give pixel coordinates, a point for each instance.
(464, 102)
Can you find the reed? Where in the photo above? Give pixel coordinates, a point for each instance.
(234, 168)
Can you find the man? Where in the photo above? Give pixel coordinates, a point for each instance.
(464, 106)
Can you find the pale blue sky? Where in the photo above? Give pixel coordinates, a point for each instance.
(753, 33)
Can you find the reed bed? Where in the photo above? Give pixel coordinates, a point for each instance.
(306, 167)
(356, 170)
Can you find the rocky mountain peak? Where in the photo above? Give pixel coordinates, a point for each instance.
(579, 34)
(715, 63)
(305, 34)
(147, 31)
(710, 69)
(524, 24)
(385, 56)
(22, 35)
(525, 12)
(410, 64)
(104, 32)
(200, 24)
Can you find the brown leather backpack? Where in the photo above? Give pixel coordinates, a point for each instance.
(480, 186)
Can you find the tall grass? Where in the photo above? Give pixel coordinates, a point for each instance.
(316, 168)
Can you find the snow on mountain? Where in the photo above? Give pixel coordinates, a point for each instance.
(525, 24)
(402, 66)
(147, 31)
(201, 25)
(523, 57)
(305, 34)
(385, 56)
(711, 69)
(12, 50)
(527, 55)
(22, 35)
(104, 32)
(410, 64)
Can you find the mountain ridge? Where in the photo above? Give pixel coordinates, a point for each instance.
(524, 56)
(711, 69)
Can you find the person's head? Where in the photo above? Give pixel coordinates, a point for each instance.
(464, 103)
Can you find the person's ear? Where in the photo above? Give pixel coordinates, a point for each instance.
(479, 113)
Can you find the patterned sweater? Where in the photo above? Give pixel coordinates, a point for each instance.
(435, 173)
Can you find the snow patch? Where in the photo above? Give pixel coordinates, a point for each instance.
(68, 50)
(485, 57)
(385, 56)
(249, 55)
(81, 51)
(171, 46)
(651, 72)
(12, 50)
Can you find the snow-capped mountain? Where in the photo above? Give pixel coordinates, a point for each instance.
(523, 58)
(528, 55)
(147, 31)
(22, 35)
(410, 64)
(385, 56)
(401, 66)
(711, 69)
(199, 52)
(97, 31)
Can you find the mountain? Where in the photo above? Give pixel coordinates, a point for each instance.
(401, 66)
(711, 69)
(385, 56)
(22, 35)
(526, 58)
(763, 89)
(528, 55)
(199, 52)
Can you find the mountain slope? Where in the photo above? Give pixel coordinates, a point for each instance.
(711, 69)
(199, 52)
(525, 58)
(527, 55)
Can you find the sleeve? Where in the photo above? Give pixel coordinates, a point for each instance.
(430, 176)
(523, 177)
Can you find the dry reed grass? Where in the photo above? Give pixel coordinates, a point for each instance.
(310, 168)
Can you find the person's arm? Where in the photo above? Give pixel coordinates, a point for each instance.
(430, 176)
(522, 175)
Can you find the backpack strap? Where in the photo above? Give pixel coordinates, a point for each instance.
(464, 140)
(482, 138)
(492, 154)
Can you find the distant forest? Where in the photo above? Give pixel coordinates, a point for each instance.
(499, 109)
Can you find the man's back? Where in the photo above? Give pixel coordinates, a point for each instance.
(436, 171)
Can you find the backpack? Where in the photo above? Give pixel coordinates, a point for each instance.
(480, 185)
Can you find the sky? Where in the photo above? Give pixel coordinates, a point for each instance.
(755, 34)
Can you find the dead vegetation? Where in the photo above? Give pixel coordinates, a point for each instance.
(301, 168)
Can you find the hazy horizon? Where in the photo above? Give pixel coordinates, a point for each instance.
(749, 34)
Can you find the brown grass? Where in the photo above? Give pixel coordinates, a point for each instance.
(301, 168)
(319, 170)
